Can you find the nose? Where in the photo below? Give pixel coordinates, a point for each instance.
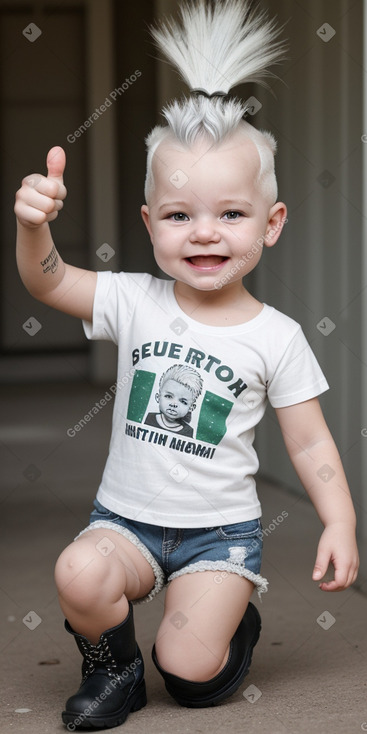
(204, 231)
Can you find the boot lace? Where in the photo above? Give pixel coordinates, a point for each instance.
(98, 654)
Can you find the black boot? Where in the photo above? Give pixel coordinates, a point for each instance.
(113, 679)
(197, 694)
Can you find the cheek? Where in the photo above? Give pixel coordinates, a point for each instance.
(255, 229)
(165, 250)
(252, 239)
(159, 235)
(157, 240)
(160, 259)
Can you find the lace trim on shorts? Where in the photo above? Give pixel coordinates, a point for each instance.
(260, 582)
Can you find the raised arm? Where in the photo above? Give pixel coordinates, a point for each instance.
(41, 268)
(317, 462)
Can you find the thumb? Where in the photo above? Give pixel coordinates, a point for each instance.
(321, 566)
(56, 161)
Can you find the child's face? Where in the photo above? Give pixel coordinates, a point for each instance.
(175, 400)
(207, 216)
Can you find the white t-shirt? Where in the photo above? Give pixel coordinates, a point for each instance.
(166, 467)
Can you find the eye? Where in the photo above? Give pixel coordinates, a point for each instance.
(232, 216)
(178, 217)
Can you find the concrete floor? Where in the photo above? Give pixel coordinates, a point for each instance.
(309, 667)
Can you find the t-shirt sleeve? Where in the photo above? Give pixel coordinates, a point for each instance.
(112, 306)
(298, 375)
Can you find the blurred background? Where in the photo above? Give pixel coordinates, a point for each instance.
(60, 62)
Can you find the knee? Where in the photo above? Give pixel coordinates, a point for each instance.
(67, 561)
(83, 575)
(189, 662)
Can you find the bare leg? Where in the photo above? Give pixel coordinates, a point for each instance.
(95, 583)
(200, 619)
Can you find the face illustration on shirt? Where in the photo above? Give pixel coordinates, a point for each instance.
(175, 400)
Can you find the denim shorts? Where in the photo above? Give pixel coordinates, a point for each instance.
(173, 552)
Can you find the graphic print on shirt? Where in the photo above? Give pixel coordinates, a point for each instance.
(179, 387)
(179, 392)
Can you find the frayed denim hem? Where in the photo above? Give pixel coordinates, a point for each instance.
(259, 581)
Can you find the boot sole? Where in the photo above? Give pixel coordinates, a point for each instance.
(136, 701)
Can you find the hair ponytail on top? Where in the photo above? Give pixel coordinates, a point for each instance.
(220, 44)
(216, 46)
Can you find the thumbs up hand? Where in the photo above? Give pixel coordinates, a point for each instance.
(40, 198)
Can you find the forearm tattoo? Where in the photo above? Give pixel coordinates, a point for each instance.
(50, 263)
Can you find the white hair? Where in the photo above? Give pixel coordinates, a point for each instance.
(215, 47)
(219, 44)
(185, 375)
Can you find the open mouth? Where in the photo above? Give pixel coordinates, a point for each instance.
(206, 261)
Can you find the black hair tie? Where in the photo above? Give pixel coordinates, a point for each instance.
(221, 95)
(203, 92)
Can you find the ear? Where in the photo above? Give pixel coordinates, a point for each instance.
(277, 220)
(146, 219)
